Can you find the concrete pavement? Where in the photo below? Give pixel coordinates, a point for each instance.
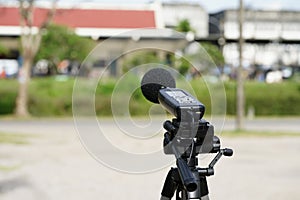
(41, 126)
(55, 165)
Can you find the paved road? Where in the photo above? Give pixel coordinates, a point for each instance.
(54, 165)
(284, 125)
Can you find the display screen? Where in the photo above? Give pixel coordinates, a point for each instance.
(181, 97)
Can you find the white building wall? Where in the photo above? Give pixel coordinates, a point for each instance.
(259, 30)
(194, 13)
(274, 26)
(264, 25)
(269, 55)
(291, 30)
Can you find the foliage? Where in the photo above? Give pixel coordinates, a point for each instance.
(214, 52)
(281, 99)
(140, 58)
(3, 50)
(49, 97)
(60, 42)
(183, 65)
(184, 26)
(8, 94)
(148, 57)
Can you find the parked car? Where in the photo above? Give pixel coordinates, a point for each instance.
(43, 68)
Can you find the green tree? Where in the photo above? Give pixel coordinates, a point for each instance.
(60, 42)
(148, 56)
(3, 50)
(214, 52)
(184, 26)
(184, 66)
(140, 57)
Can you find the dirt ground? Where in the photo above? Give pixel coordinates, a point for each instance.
(54, 165)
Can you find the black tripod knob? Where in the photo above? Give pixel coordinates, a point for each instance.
(228, 152)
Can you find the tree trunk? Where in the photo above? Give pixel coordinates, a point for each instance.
(30, 44)
(24, 78)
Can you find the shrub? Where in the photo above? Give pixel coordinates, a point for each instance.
(8, 95)
(49, 97)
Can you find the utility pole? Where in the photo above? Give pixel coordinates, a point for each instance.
(240, 100)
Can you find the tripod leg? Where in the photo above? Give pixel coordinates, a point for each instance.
(164, 198)
(181, 194)
(203, 187)
(170, 185)
(205, 198)
(201, 193)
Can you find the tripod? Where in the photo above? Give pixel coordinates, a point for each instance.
(188, 180)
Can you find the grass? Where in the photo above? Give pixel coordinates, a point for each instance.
(50, 97)
(257, 134)
(13, 138)
(9, 168)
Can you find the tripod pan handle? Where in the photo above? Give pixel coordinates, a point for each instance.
(228, 152)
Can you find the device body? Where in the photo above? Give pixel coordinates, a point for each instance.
(181, 104)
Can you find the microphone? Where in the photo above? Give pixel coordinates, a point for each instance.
(158, 86)
(153, 81)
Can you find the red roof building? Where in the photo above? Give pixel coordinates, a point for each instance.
(92, 22)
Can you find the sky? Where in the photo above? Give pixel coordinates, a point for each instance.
(216, 5)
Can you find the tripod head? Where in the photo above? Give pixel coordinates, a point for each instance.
(178, 141)
(188, 134)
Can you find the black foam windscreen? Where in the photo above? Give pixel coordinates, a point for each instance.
(154, 80)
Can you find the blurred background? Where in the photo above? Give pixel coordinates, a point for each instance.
(255, 46)
(61, 34)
